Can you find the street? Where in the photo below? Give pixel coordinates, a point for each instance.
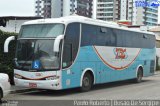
(148, 89)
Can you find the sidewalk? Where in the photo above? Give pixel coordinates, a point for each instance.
(157, 72)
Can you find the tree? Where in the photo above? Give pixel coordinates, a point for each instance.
(3, 22)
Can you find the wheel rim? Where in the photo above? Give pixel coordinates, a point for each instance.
(139, 75)
(86, 81)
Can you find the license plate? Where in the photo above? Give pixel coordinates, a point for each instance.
(32, 85)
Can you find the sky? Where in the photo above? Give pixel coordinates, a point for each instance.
(21, 8)
(17, 8)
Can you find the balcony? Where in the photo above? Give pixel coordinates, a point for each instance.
(151, 12)
(47, 4)
(104, 12)
(152, 16)
(104, 7)
(111, 2)
(104, 17)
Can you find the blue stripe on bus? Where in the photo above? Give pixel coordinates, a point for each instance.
(87, 58)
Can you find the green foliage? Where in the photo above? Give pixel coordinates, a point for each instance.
(158, 68)
(6, 59)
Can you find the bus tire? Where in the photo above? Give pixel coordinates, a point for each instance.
(1, 95)
(138, 79)
(87, 82)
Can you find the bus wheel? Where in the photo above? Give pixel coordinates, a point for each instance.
(139, 75)
(87, 82)
(1, 95)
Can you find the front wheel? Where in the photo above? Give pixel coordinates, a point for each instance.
(139, 75)
(1, 96)
(87, 82)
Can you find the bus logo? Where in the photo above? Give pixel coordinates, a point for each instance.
(36, 64)
(120, 53)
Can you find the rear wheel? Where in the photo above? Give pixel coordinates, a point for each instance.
(139, 75)
(87, 82)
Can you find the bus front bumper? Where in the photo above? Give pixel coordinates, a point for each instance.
(39, 84)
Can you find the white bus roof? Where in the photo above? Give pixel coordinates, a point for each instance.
(70, 19)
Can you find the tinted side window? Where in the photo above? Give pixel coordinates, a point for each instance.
(134, 39)
(71, 44)
(97, 35)
(119, 35)
(104, 36)
(152, 41)
(89, 35)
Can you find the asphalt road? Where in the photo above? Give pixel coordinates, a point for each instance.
(149, 89)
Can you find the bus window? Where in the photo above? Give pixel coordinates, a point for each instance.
(41, 30)
(67, 59)
(96, 35)
(71, 44)
(89, 35)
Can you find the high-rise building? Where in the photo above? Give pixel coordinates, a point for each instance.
(142, 15)
(151, 16)
(47, 8)
(68, 7)
(43, 8)
(38, 8)
(58, 8)
(105, 10)
(108, 10)
(114, 10)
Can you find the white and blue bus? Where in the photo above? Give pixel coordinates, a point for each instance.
(75, 51)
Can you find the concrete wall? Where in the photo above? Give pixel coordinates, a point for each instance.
(123, 10)
(140, 16)
(56, 8)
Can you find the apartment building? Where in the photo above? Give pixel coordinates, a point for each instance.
(151, 16)
(43, 8)
(38, 8)
(58, 8)
(107, 10)
(114, 10)
(47, 8)
(69, 7)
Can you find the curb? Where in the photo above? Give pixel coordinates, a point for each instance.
(157, 73)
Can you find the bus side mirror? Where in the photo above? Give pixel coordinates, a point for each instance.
(57, 43)
(6, 43)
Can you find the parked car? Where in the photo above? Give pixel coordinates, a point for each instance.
(4, 85)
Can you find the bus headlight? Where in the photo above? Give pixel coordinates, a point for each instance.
(52, 78)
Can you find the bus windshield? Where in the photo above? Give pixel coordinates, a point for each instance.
(36, 54)
(41, 30)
